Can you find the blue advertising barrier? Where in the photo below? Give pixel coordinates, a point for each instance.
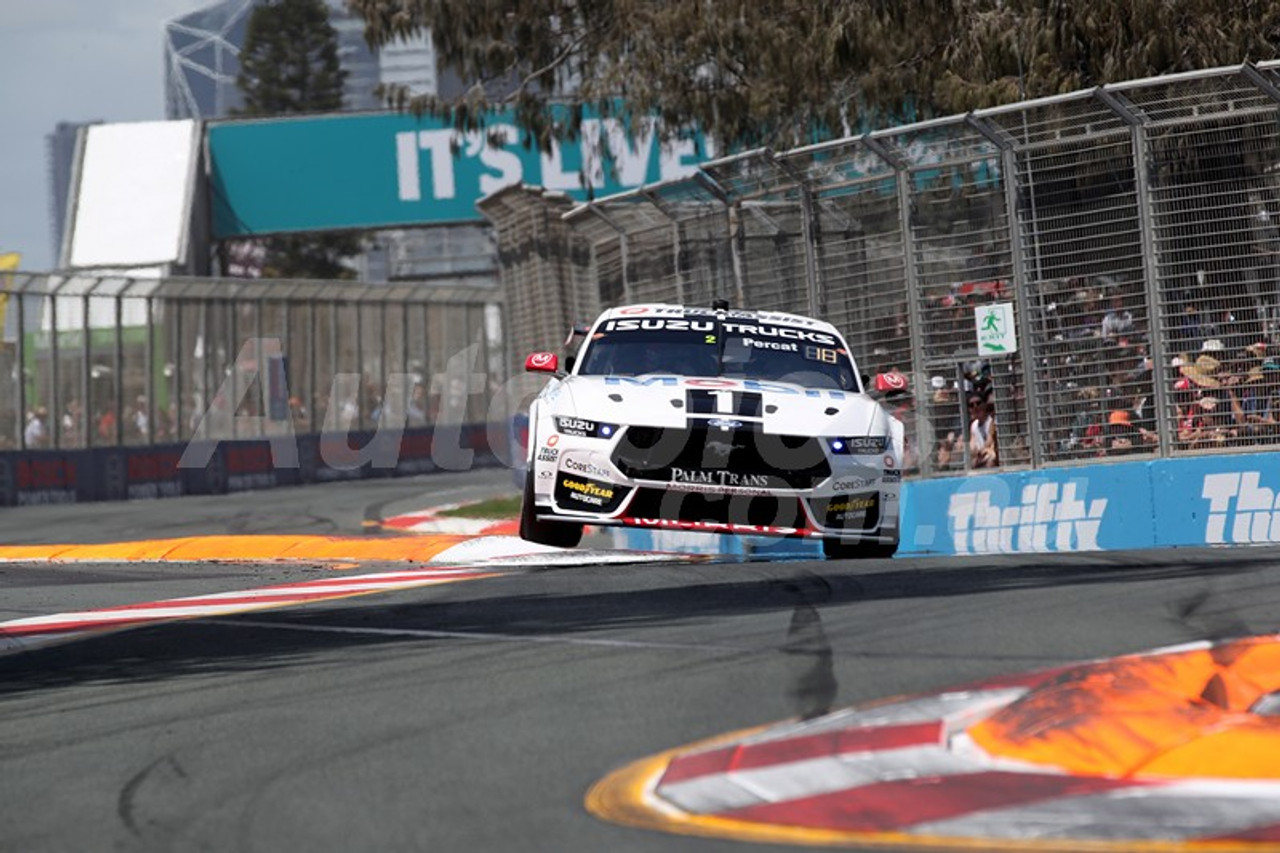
(1218, 500)
(1208, 500)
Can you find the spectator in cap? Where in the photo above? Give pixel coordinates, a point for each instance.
(1121, 435)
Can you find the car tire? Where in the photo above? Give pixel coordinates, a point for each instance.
(838, 549)
(557, 533)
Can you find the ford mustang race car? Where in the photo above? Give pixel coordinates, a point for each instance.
(716, 420)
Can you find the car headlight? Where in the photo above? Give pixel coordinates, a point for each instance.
(584, 428)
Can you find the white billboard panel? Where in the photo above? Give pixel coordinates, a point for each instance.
(133, 197)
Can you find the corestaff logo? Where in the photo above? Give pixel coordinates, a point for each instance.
(1241, 510)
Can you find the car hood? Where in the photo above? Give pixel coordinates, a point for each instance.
(671, 401)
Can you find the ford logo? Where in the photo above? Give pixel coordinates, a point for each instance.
(724, 424)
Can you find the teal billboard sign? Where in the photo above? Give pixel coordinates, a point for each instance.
(359, 171)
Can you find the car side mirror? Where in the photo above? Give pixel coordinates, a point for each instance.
(890, 384)
(542, 362)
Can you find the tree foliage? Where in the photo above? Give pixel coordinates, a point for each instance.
(289, 65)
(776, 73)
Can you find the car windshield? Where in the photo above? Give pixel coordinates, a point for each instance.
(708, 346)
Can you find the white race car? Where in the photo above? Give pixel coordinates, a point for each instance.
(716, 420)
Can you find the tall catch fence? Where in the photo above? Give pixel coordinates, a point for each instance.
(1134, 228)
(89, 361)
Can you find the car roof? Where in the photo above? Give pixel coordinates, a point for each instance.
(659, 309)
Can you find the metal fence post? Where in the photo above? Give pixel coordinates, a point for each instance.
(677, 241)
(731, 232)
(262, 404)
(177, 428)
(622, 250)
(1150, 262)
(915, 321)
(1021, 284)
(149, 358)
(21, 413)
(86, 379)
(54, 355)
(118, 366)
(810, 231)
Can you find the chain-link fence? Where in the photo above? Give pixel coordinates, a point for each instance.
(1132, 227)
(105, 360)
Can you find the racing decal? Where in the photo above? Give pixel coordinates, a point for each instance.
(721, 478)
(857, 511)
(752, 343)
(852, 484)
(548, 454)
(779, 317)
(671, 325)
(553, 440)
(646, 381)
(784, 332)
(826, 355)
(587, 495)
(583, 428)
(718, 527)
(867, 445)
(716, 489)
(751, 332)
(576, 426)
(741, 403)
(578, 465)
(892, 475)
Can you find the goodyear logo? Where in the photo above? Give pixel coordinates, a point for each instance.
(591, 489)
(860, 504)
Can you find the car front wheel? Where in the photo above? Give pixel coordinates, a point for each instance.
(557, 533)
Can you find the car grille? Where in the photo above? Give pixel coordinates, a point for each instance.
(712, 456)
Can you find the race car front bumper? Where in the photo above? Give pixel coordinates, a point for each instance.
(765, 485)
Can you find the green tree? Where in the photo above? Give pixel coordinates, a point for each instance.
(776, 73)
(289, 65)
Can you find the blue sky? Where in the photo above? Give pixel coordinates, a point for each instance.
(69, 60)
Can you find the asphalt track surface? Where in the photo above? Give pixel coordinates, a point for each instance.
(476, 715)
